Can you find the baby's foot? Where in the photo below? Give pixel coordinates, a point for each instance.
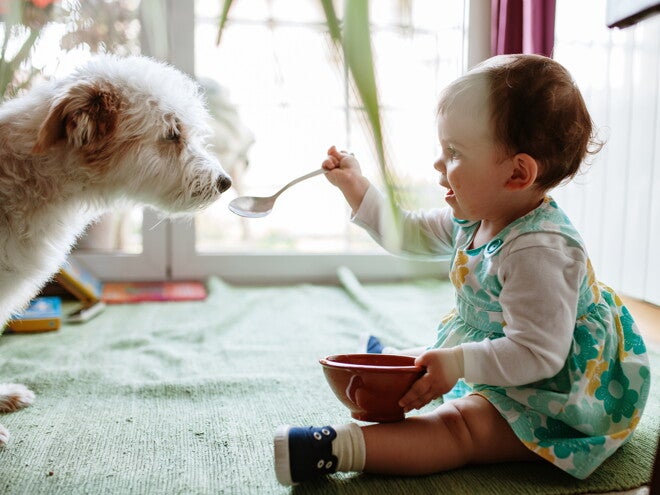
(370, 345)
(302, 454)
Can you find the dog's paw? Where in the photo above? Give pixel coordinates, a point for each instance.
(4, 436)
(14, 396)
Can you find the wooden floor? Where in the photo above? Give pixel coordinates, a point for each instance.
(647, 317)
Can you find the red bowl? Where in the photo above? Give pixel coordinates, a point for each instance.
(370, 385)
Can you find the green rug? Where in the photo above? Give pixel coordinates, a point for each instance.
(184, 397)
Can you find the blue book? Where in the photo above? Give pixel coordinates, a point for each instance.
(42, 315)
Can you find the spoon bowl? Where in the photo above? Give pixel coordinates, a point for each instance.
(252, 206)
(257, 206)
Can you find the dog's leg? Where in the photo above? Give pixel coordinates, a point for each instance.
(14, 396)
(4, 436)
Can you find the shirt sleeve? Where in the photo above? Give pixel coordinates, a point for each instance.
(427, 233)
(541, 274)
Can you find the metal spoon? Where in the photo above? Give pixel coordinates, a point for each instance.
(256, 207)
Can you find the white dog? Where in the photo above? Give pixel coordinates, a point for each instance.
(115, 130)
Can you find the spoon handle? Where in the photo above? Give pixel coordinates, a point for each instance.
(302, 178)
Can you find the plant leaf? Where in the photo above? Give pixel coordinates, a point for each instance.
(331, 20)
(223, 19)
(359, 58)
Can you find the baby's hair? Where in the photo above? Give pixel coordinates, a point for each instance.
(535, 107)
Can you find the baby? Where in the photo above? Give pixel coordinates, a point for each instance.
(543, 361)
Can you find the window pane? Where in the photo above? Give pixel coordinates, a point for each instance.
(278, 69)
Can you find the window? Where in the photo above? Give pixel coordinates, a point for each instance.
(277, 67)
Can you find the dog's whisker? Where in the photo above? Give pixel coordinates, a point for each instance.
(154, 226)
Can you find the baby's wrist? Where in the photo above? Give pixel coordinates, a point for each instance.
(355, 192)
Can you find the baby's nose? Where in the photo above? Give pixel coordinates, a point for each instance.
(223, 183)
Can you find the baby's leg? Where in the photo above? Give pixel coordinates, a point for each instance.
(460, 432)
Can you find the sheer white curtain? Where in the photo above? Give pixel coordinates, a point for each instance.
(613, 203)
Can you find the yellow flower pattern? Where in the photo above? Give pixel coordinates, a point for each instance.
(592, 282)
(460, 271)
(595, 369)
(543, 452)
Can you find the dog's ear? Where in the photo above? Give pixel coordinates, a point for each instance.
(85, 117)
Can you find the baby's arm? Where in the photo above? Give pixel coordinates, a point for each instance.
(542, 275)
(345, 173)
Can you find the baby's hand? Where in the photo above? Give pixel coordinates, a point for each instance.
(333, 160)
(342, 160)
(344, 173)
(443, 369)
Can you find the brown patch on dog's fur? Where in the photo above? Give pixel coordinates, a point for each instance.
(175, 137)
(86, 118)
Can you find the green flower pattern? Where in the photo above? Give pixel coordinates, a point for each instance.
(582, 415)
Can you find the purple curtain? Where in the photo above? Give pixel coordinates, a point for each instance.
(522, 26)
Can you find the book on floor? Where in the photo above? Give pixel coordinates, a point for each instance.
(133, 292)
(75, 280)
(44, 314)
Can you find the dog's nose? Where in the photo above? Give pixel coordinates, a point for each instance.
(223, 183)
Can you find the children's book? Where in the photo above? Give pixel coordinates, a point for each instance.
(74, 280)
(79, 282)
(132, 292)
(42, 315)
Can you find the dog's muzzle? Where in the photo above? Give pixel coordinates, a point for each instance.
(223, 183)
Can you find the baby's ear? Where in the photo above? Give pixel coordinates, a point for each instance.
(524, 171)
(85, 118)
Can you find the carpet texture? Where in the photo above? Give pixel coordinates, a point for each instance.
(184, 397)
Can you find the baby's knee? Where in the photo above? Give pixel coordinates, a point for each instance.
(456, 420)
(470, 423)
(488, 436)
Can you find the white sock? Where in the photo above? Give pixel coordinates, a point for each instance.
(349, 447)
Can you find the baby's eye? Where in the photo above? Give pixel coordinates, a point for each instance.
(452, 154)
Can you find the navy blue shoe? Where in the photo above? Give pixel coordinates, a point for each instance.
(370, 345)
(302, 454)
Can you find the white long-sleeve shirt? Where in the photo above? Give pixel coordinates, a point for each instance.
(540, 274)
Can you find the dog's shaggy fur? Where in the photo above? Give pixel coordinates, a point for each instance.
(115, 130)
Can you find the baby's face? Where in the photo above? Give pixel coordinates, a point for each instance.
(470, 162)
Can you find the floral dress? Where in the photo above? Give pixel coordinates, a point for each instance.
(584, 413)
